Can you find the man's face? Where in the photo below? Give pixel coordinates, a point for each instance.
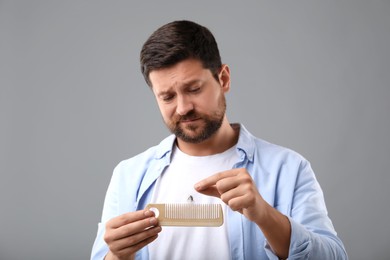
(191, 100)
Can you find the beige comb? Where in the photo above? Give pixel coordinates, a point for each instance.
(188, 214)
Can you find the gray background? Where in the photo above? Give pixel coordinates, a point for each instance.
(310, 75)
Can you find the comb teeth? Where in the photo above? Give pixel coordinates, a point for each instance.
(188, 214)
(192, 211)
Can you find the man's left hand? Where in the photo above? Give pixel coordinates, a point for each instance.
(235, 188)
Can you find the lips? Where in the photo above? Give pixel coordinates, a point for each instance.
(190, 117)
(188, 120)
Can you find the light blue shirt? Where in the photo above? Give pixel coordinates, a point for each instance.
(283, 177)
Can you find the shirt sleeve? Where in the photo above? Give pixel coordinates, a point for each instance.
(110, 209)
(312, 233)
(318, 244)
(99, 249)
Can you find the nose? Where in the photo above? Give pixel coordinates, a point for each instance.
(184, 105)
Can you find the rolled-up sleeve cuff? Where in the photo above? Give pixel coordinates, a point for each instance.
(300, 243)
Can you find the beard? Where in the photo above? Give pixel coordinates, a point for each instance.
(197, 133)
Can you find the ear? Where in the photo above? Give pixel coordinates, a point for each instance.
(224, 78)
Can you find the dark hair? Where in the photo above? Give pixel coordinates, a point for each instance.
(177, 41)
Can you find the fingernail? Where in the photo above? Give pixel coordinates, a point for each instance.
(149, 213)
(158, 228)
(153, 221)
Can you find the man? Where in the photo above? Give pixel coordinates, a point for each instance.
(273, 206)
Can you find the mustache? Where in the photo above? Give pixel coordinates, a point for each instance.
(189, 116)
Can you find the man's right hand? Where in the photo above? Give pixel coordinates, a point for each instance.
(128, 233)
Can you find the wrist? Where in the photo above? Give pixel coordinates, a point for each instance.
(111, 256)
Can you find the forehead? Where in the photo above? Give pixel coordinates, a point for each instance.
(178, 75)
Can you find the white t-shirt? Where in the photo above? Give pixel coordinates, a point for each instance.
(176, 185)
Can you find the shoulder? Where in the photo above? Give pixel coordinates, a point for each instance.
(141, 161)
(263, 151)
(269, 151)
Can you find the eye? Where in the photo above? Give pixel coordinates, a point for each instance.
(194, 90)
(167, 98)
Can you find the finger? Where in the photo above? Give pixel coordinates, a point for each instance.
(243, 197)
(237, 204)
(228, 183)
(133, 228)
(129, 218)
(144, 243)
(128, 251)
(212, 180)
(113, 234)
(135, 240)
(211, 191)
(221, 187)
(236, 200)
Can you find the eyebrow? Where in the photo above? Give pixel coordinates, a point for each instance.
(185, 85)
(192, 82)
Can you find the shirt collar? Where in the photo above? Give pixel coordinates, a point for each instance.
(246, 141)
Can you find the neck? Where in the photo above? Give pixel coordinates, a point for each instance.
(222, 140)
